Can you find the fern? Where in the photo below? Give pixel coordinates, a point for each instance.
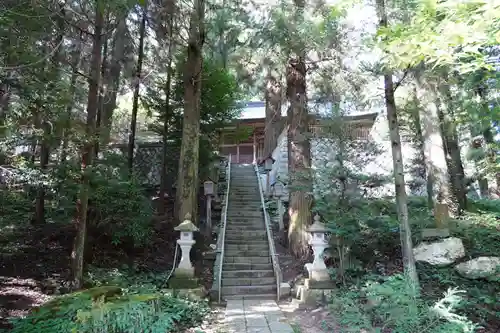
(106, 310)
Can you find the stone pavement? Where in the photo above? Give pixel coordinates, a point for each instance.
(255, 316)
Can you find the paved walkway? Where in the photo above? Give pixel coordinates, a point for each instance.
(255, 316)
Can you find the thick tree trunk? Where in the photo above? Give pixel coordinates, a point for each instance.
(168, 87)
(456, 175)
(137, 86)
(46, 143)
(299, 158)
(397, 159)
(273, 124)
(87, 153)
(113, 80)
(187, 180)
(423, 174)
(75, 64)
(102, 88)
(299, 147)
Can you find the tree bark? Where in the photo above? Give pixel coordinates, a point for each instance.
(187, 180)
(113, 81)
(397, 159)
(299, 147)
(76, 55)
(424, 174)
(46, 141)
(299, 158)
(137, 86)
(168, 88)
(457, 199)
(102, 87)
(88, 147)
(273, 125)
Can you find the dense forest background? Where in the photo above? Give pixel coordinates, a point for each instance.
(85, 84)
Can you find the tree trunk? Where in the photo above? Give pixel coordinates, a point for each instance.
(299, 148)
(46, 141)
(424, 174)
(299, 158)
(187, 180)
(88, 147)
(397, 159)
(113, 84)
(102, 88)
(137, 86)
(456, 175)
(273, 123)
(168, 87)
(76, 55)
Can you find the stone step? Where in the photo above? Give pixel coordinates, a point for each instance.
(249, 290)
(246, 253)
(249, 242)
(250, 234)
(257, 223)
(243, 239)
(250, 297)
(226, 282)
(246, 247)
(268, 273)
(243, 266)
(247, 260)
(238, 213)
(242, 228)
(249, 207)
(246, 224)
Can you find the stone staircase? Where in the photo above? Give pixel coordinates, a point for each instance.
(247, 271)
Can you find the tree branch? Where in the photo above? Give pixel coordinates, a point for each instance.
(405, 74)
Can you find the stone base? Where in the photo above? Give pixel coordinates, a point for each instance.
(317, 274)
(431, 233)
(285, 290)
(193, 294)
(184, 272)
(311, 297)
(179, 281)
(313, 284)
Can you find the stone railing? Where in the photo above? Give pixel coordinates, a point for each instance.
(274, 256)
(219, 256)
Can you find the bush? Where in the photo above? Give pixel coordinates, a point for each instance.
(118, 207)
(392, 303)
(108, 309)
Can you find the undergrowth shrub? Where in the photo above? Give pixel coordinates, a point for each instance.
(118, 206)
(16, 208)
(126, 278)
(392, 303)
(109, 310)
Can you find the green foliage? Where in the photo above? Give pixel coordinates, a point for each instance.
(444, 33)
(16, 208)
(342, 188)
(393, 303)
(108, 309)
(118, 206)
(125, 278)
(219, 93)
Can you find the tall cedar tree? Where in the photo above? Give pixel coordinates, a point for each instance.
(397, 159)
(187, 180)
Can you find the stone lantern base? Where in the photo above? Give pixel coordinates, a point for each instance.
(317, 273)
(182, 281)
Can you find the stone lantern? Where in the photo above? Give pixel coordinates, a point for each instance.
(186, 242)
(317, 269)
(209, 188)
(268, 166)
(279, 192)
